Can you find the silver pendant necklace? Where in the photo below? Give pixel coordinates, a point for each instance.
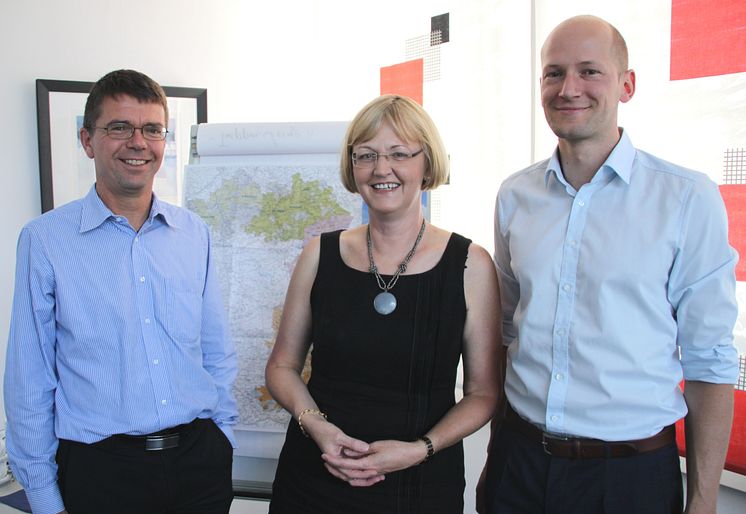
(385, 302)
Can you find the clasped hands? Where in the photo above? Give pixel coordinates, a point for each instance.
(364, 464)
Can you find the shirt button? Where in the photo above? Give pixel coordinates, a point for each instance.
(558, 376)
(147, 321)
(137, 239)
(163, 402)
(573, 243)
(142, 279)
(560, 331)
(156, 361)
(581, 203)
(567, 288)
(553, 418)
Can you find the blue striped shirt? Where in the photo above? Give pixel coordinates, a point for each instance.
(613, 293)
(112, 332)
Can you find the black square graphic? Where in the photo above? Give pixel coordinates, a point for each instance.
(439, 23)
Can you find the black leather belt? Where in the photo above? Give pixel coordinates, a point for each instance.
(583, 448)
(161, 440)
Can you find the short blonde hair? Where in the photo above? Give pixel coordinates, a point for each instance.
(410, 122)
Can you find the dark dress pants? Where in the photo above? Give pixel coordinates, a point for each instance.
(117, 475)
(523, 479)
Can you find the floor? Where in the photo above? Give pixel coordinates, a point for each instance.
(241, 506)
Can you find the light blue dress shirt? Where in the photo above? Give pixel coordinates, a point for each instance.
(614, 293)
(112, 332)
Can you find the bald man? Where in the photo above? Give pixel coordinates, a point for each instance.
(617, 282)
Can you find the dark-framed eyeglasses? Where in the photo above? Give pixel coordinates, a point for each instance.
(368, 159)
(124, 130)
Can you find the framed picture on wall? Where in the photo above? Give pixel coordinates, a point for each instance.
(66, 172)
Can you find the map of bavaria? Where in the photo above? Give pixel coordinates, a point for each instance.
(261, 216)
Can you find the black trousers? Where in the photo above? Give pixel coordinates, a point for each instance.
(522, 478)
(117, 476)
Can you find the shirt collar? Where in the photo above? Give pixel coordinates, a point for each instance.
(95, 212)
(619, 161)
(162, 210)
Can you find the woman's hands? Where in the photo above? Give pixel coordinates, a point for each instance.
(335, 443)
(356, 462)
(365, 468)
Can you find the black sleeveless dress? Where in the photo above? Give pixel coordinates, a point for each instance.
(380, 377)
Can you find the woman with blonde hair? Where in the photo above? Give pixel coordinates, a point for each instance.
(390, 308)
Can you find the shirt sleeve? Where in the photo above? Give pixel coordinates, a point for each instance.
(509, 288)
(219, 356)
(702, 289)
(30, 378)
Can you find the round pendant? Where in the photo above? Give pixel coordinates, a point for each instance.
(384, 303)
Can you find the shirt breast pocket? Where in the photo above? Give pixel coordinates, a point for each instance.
(183, 316)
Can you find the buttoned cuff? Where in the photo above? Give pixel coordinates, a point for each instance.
(46, 500)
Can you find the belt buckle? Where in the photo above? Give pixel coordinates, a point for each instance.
(546, 441)
(162, 442)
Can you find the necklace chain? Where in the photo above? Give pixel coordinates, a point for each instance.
(402, 266)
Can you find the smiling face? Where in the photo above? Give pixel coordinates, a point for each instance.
(125, 168)
(390, 186)
(583, 81)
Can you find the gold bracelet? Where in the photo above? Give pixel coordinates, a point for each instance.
(303, 413)
(430, 450)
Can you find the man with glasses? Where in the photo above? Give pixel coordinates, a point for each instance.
(617, 283)
(119, 366)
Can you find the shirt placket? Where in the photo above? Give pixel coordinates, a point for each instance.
(153, 349)
(566, 294)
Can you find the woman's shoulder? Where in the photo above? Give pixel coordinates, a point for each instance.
(352, 245)
(442, 238)
(353, 233)
(479, 269)
(478, 255)
(309, 256)
(447, 242)
(474, 254)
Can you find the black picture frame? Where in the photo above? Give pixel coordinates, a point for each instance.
(47, 87)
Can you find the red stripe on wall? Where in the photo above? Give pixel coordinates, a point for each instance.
(404, 79)
(707, 38)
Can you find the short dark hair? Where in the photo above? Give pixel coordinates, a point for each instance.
(122, 82)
